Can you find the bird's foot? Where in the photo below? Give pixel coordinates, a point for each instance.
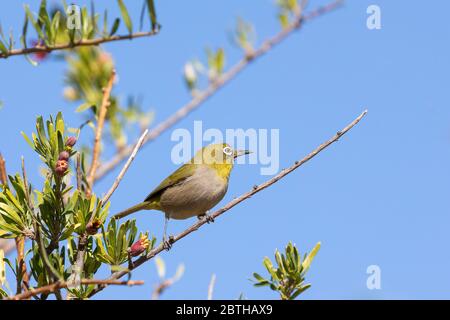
(206, 216)
(167, 243)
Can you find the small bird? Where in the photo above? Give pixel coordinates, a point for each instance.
(194, 188)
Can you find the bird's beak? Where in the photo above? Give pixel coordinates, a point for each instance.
(238, 153)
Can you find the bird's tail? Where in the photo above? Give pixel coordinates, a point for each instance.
(146, 205)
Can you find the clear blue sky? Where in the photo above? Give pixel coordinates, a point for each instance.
(379, 196)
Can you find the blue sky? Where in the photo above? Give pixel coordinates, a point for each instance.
(378, 197)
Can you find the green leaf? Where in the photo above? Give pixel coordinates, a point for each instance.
(309, 258)
(258, 277)
(44, 18)
(3, 48)
(299, 291)
(83, 107)
(152, 14)
(34, 22)
(115, 26)
(125, 16)
(23, 38)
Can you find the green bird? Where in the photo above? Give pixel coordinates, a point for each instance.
(194, 188)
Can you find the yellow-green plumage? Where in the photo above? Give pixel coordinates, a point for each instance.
(195, 187)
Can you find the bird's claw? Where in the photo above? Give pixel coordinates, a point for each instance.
(167, 243)
(207, 217)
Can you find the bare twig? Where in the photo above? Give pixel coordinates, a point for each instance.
(119, 178)
(61, 285)
(3, 175)
(79, 173)
(236, 201)
(160, 288)
(77, 268)
(166, 283)
(81, 43)
(5, 245)
(221, 81)
(99, 131)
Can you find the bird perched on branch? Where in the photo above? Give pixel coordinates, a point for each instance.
(194, 188)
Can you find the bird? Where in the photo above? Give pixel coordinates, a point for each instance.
(194, 188)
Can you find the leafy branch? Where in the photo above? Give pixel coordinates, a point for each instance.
(289, 276)
(72, 27)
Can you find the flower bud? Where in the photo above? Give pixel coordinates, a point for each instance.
(139, 246)
(190, 75)
(71, 141)
(70, 94)
(92, 227)
(64, 155)
(61, 167)
(40, 55)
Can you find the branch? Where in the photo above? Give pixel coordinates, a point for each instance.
(221, 81)
(3, 175)
(5, 245)
(78, 266)
(82, 242)
(81, 43)
(125, 167)
(234, 202)
(61, 285)
(98, 133)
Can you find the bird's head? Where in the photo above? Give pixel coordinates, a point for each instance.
(219, 156)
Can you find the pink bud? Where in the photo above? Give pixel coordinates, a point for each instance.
(71, 141)
(64, 155)
(61, 167)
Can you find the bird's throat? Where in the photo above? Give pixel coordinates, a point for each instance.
(223, 170)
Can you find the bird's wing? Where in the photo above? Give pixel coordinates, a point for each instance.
(181, 174)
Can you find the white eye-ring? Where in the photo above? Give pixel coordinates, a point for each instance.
(228, 151)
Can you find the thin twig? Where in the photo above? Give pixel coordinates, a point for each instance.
(160, 288)
(81, 43)
(99, 131)
(3, 175)
(236, 201)
(78, 267)
(61, 285)
(5, 245)
(119, 178)
(220, 82)
(79, 173)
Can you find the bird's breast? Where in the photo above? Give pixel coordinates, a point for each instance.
(195, 195)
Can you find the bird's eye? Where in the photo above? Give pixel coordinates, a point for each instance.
(228, 151)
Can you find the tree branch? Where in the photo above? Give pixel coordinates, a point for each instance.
(5, 245)
(234, 202)
(81, 43)
(3, 175)
(220, 82)
(119, 178)
(78, 266)
(61, 285)
(99, 131)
